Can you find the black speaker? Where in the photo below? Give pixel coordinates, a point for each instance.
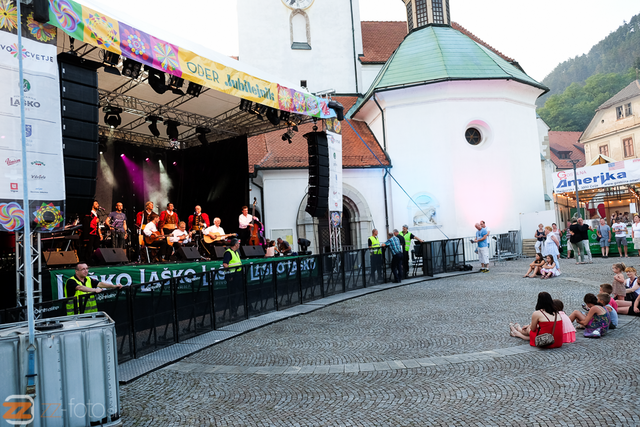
(111, 256)
(318, 200)
(60, 258)
(219, 251)
(79, 111)
(80, 168)
(41, 11)
(188, 252)
(253, 251)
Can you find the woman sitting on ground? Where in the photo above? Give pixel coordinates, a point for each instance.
(596, 321)
(535, 266)
(550, 268)
(542, 321)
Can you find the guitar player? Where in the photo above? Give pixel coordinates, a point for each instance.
(154, 239)
(181, 237)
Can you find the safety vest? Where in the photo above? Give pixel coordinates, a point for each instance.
(235, 261)
(407, 240)
(90, 307)
(375, 246)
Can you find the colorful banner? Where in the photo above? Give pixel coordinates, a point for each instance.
(257, 272)
(89, 26)
(334, 139)
(598, 176)
(43, 130)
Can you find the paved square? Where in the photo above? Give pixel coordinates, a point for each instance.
(428, 354)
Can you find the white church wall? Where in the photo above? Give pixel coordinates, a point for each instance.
(265, 42)
(369, 74)
(459, 184)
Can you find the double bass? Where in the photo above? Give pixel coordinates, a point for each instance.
(254, 229)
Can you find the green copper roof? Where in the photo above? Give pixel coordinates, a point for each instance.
(439, 53)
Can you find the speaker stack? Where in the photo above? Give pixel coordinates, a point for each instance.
(318, 200)
(79, 102)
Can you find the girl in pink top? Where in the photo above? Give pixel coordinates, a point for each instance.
(568, 330)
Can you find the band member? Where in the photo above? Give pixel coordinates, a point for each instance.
(244, 221)
(168, 220)
(117, 221)
(143, 217)
(215, 230)
(180, 237)
(95, 234)
(151, 232)
(198, 221)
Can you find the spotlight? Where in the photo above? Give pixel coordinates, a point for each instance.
(245, 106)
(338, 108)
(294, 128)
(111, 60)
(172, 129)
(102, 148)
(122, 155)
(287, 136)
(202, 135)
(146, 160)
(159, 157)
(175, 83)
(259, 111)
(272, 116)
(156, 80)
(284, 116)
(175, 163)
(153, 127)
(194, 89)
(112, 116)
(175, 145)
(131, 68)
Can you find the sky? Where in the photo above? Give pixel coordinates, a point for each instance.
(539, 35)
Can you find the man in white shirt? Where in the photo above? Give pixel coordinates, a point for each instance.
(151, 229)
(215, 228)
(621, 236)
(244, 221)
(180, 237)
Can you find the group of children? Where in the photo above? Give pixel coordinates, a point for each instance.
(546, 267)
(600, 311)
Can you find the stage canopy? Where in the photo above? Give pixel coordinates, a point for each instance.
(98, 34)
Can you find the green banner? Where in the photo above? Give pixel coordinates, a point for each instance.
(594, 244)
(256, 271)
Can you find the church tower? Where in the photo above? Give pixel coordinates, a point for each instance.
(425, 12)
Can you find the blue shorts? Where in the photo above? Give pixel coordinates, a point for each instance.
(605, 243)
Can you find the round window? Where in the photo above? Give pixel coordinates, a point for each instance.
(473, 136)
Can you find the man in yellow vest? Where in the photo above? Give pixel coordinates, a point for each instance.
(375, 251)
(407, 247)
(80, 284)
(233, 275)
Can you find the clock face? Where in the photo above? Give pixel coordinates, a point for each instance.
(298, 4)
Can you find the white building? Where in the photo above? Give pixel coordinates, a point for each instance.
(453, 118)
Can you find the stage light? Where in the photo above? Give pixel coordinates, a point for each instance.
(194, 89)
(202, 135)
(294, 128)
(284, 116)
(156, 80)
(131, 68)
(146, 160)
(111, 61)
(272, 116)
(153, 127)
(175, 83)
(287, 136)
(245, 105)
(102, 147)
(338, 108)
(159, 157)
(112, 116)
(122, 155)
(172, 129)
(175, 163)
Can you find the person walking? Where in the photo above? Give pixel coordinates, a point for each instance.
(483, 247)
(396, 256)
(604, 237)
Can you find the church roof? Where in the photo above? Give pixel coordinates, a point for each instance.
(437, 53)
(269, 151)
(631, 91)
(560, 141)
(380, 39)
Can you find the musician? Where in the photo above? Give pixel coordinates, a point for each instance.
(151, 229)
(215, 228)
(168, 220)
(95, 234)
(180, 237)
(244, 222)
(117, 221)
(198, 221)
(142, 218)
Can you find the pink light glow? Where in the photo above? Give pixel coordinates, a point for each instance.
(121, 155)
(146, 160)
(175, 163)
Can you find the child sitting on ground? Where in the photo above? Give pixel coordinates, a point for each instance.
(603, 299)
(549, 269)
(568, 331)
(619, 291)
(607, 289)
(596, 321)
(535, 266)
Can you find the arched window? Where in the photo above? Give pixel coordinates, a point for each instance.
(300, 32)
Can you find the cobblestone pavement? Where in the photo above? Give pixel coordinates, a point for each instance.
(428, 354)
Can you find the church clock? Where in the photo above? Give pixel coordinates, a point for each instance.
(298, 4)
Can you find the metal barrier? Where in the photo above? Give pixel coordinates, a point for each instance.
(507, 246)
(154, 315)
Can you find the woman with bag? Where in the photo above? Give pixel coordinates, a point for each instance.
(546, 324)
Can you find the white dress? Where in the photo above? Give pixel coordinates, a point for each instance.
(550, 248)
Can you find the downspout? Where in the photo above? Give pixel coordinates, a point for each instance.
(386, 171)
(384, 131)
(355, 54)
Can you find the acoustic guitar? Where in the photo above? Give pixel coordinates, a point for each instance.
(215, 237)
(149, 240)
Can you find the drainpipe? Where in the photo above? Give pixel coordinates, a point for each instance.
(384, 132)
(386, 207)
(355, 54)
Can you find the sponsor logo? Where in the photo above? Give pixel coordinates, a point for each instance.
(38, 177)
(12, 161)
(26, 86)
(604, 178)
(38, 163)
(15, 102)
(26, 54)
(28, 130)
(14, 186)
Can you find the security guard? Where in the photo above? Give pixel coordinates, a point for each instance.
(81, 284)
(233, 275)
(407, 247)
(375, 251)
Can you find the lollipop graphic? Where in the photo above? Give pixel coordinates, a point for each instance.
(11, 216)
